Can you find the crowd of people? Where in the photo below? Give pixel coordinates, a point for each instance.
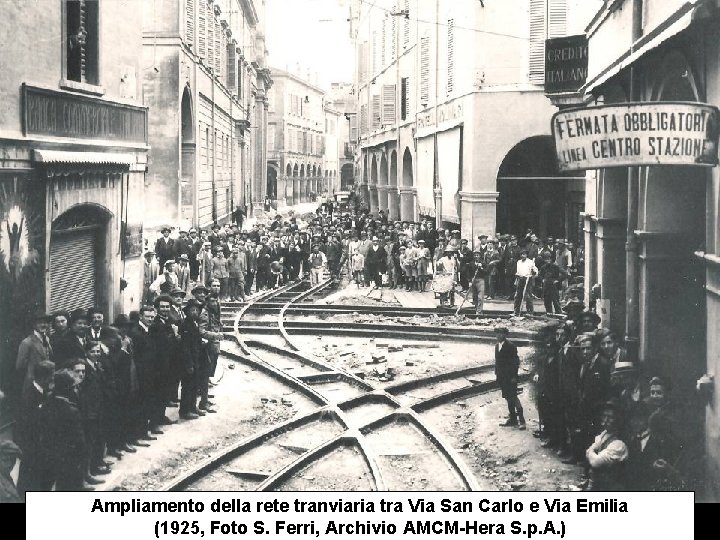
(598, 409)
(370, 250)
(92, 390)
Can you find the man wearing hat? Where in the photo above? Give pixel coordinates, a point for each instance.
(151, 271)
(183, 272)
(492, 266)
(318, 264)
(34, 474)
(525, 272)
(375, 263)
(220, 270)
(465, 258)
(237, 269)
(183, 245)
(71, 345)
(446, 271)
(165, 246)
(564, 262)
(196, 246)
(264, 258)
(507, 363)
(478, 274)
(509, 263)
(34, 349)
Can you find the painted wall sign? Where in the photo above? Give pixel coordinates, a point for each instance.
(635, 134)
(566, 63)
(60, 114)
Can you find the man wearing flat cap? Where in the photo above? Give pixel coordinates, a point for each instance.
(165, 246)
(507, 363)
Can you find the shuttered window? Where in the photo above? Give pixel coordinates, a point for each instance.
(424, 70)
(353, 128)
(299, 141)
(375, 55)
(557, 18)
(219, 50)
(537, 41)
(231, 73)
(363, 62)
(389, 113)
(210, 36)
(406, 24)
(548, 19)
(383, 43)
(190, 22)
(363, 119)
(450, 56)
(73, 269)
(404, 98)
(376, 111)
(202, 28)
(393, 34)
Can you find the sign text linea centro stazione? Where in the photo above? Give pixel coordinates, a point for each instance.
(636, 134)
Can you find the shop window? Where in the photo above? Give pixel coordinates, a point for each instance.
(81, 41)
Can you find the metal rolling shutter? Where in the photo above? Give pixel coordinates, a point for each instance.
(72, 270)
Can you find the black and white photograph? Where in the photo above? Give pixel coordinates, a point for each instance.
(360, 246)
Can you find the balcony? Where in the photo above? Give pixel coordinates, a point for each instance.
(350, 150)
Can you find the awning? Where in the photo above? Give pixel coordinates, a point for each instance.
(448, 149)
(675, 24)
(425, 176)
(97, 158)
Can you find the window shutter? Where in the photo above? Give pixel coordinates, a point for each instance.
(363, 119)
(389, 113)
(190, 22)
(202, 28)
(231, 73)
(299, 140)
(218, 50)
(210, 36)
(404, 103)
(353, 128)
(406, 24)
(393, 34)
(383, 42)
(537, 41)
(363, 62)
(557, 18)
(450, 55)
(375, 55)
(424, 70)
(376, 112)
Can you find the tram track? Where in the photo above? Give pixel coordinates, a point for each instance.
(359, 436)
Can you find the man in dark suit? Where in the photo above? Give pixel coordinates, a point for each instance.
(35, 473)
(191, 348)
(70, 346)
(183, 245)
(33, 349)
(165, 247)
(375, 263)
(145, 359)
(507, 363)
(165, 340)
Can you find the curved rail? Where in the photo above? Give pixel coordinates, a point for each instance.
(341, 410)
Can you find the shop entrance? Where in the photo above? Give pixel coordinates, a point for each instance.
(78, 266)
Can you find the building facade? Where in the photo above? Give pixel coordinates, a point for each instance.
(653, 233)
(453, 122)
(296, 135)
(341, 97)
(74, 144)
(205, 82)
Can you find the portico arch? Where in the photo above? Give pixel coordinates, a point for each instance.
(407, 195)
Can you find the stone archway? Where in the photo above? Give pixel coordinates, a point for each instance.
(373, 184)
(407, 191)
(347, 177)
(187, 158)
(383, 184)
(393, 195)
(533, 194)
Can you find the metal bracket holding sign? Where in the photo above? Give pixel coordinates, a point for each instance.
(636, 134)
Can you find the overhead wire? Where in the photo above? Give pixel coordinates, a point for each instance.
(455, 26)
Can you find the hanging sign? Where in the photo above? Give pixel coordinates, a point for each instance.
(566, 63)
(635, 134)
